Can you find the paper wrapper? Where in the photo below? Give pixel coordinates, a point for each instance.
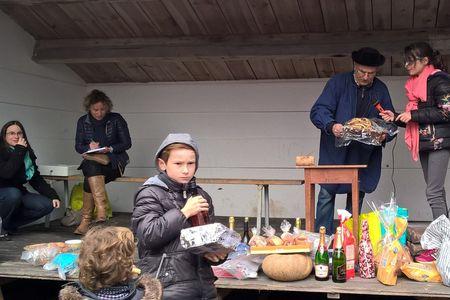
(210, 238)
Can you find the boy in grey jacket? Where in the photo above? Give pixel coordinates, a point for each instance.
(162, 207)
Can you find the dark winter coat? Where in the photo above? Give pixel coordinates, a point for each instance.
(157, 221)
(337, 104)
(12, 171)
(146, 288)
(433, 115)
(117, 136)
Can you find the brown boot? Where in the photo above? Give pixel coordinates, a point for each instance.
(97, 184)
(86, 212)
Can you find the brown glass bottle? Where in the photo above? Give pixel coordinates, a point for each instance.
(245, 235)
(202, 218)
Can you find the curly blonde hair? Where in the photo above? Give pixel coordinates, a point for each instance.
(96, 96)
(106, 257)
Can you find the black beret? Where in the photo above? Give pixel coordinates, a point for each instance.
(368, 57)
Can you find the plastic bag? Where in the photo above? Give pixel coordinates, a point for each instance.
(393, 255)
(421, 272)
(272, 239)
(286, 236)
(257, 239)
(374, 229)
(76, 200)
(437, 236)
(367, 131)
(40, 254)
(239, 264)
(65, 263)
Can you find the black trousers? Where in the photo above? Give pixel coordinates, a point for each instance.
(92, 168)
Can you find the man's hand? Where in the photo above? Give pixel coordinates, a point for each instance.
(194, 205)
(338, 130)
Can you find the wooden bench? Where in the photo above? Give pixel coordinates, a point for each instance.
(262, 185)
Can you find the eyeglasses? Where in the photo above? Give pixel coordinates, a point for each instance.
(363, 73)
(12, 133)
(411, 62)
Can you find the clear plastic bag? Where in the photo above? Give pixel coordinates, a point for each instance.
(240, 264)
(367, 131)
(40, 254)
(393, 255)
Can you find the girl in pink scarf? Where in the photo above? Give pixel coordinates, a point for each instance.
(427, 120)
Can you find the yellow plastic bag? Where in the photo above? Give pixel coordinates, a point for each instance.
(422, 272)
(76, 199)
(374, 229)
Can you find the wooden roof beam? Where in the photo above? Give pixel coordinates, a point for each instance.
(305, 45)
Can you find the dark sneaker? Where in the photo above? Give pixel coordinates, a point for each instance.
(4, 237)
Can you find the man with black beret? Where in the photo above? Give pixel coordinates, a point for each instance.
(346, 96)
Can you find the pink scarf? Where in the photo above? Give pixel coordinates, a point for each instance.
(416, 90)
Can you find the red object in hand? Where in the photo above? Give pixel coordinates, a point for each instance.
(377, 105)
(199, 219)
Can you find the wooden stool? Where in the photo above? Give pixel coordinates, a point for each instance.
(331, 174)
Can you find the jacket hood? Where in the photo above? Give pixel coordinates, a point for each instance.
(177, 138)
(155, 180)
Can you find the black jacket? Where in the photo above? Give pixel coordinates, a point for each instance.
(433, 115)
(12, 171)
(117, 135)
(157, 221)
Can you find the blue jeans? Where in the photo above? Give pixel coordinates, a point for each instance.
(325, 209)
(18, 208)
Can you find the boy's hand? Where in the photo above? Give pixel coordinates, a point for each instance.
(215, 257)
(194, 205)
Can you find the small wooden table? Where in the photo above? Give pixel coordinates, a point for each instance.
(339, 174)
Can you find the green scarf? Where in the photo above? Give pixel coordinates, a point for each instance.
(29, 167)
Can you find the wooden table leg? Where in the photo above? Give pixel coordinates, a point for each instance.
(355, 209)
(266, 204)
(309, 205)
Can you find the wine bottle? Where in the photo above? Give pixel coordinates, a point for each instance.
(297, 223)
(339, 262)
(321, 260)
(245, 235)
(201, 218)
(231, 223)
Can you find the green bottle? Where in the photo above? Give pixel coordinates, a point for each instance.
(339, 262)
(321, 261)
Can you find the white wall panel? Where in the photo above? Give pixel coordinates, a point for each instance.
(45, 98)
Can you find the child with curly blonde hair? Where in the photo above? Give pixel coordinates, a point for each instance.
(107, 269)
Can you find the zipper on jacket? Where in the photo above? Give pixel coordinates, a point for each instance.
(163, 257)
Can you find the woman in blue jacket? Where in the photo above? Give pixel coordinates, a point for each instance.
(100, 128)
(18, 167)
